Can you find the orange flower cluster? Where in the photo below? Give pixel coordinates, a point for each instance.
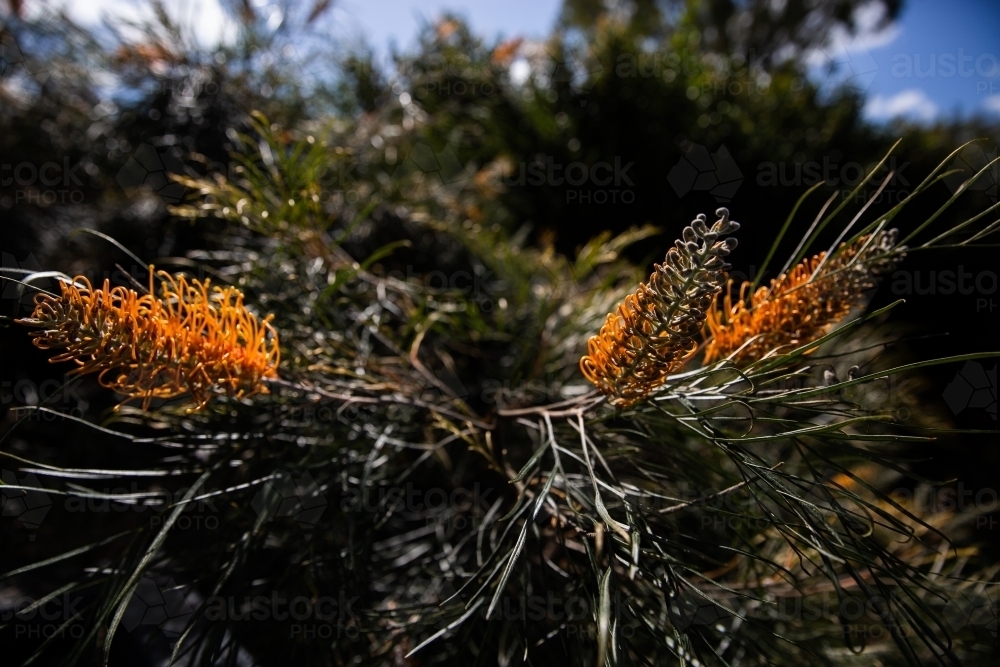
(797, 308)
(654, 330)
(189, 340)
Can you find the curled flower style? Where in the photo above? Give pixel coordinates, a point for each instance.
(191, 339)
(799, 306)
(654, 330)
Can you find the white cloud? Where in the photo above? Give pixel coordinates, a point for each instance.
(868, 18)
(912, 103)
(844, 46)
(206, 19)
(845, 58)
(992, 103)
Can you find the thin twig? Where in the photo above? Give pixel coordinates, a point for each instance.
(713, 496)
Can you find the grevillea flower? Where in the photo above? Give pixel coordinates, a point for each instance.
(191, 339)
(799, 306)
(653, 331)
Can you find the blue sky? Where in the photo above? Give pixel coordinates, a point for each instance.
(384, 21)
(941, 59)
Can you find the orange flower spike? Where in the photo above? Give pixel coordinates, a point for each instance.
(189, 340)
(800, 306)
(652, 332)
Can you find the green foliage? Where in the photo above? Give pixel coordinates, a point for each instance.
(430, 459)
(767, 30)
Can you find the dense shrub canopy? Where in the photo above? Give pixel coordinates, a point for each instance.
(427, 477)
